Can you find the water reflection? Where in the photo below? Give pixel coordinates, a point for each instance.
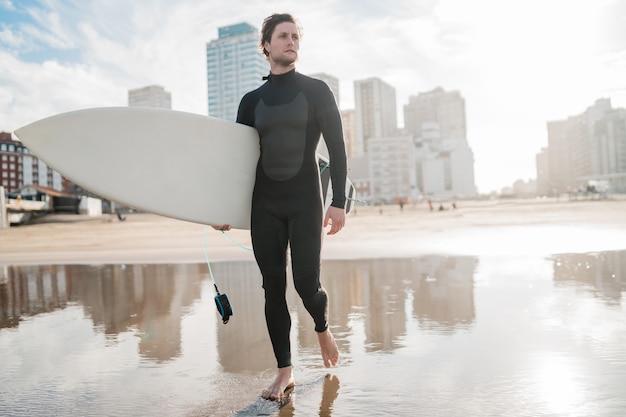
(148, 299)
(75, 337)
(152, 299)
(603, 273)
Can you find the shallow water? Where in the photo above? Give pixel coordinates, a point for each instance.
(428, 336)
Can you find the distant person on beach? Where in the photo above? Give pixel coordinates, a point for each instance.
(290, 111)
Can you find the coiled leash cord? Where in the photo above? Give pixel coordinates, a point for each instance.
(221, 300)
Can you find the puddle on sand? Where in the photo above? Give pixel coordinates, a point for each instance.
(427, 336)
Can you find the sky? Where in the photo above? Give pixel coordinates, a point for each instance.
(517, 63)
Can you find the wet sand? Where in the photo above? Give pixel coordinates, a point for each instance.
(474, 227)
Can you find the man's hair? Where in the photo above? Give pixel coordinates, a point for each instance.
(270, 23)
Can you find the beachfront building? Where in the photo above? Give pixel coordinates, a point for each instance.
(234, 67)
(429, 157)
(18, 167)
(392, 168)
(436, 119)
(446, 108)
(586, 152)
(375, 112)
(151, 96)
(349, 131)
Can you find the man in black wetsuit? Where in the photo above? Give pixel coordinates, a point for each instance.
(290, 112)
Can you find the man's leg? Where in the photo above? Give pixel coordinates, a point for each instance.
(269, 239)
(306, 244)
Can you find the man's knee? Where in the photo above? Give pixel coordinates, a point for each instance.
(306, 281)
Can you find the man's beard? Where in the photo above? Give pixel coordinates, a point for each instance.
(284, 61)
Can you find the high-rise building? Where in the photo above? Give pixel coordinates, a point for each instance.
(349, 134)
(447, 109)
(375, 111)
(392, 168)
(150, 96)
(585, 152)
(436, 120)
(234, 67)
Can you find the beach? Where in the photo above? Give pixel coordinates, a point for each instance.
(474, 227)
(495, 307)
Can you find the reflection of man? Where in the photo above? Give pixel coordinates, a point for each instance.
(290, 111)
(329, 395)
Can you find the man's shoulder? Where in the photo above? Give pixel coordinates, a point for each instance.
(316, 86)
(316, 82)
(253, 95)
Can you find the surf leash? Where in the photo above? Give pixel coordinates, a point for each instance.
(324, 166)
(234, 242)
(221, 299)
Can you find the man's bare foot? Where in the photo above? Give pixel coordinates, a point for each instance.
(330, 351)
(283, 382)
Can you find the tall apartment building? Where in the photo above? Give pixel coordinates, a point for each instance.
(375, 111)
(392, 168)
(349, 131)
(588, 149)
(437, 121)
(234, 67)
(445, 108)
(150, 96)
(18, 167)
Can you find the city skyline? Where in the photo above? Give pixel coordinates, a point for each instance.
(518, 67)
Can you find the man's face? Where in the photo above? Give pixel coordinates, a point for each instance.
(285, 44)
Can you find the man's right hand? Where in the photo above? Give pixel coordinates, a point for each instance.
(223, 228)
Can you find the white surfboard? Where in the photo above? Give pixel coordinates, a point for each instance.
(181, 165)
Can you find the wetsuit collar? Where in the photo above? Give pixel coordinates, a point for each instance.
(282, 78)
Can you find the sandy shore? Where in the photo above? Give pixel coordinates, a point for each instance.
(474, 227)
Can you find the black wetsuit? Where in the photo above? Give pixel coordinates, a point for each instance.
(290, 111)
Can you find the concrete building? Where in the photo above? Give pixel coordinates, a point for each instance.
(446, 169)
(541, 161)
(436, 119)
(446, 108)
(375, 111)
(392, 168)
(585, 152)
(349, 131)
(234, 67)
(150, 96)
(18, 167)
(359, 174)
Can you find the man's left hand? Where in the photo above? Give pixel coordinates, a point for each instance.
(336, 217)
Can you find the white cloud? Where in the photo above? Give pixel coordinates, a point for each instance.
(10, 39)
(7, 5)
